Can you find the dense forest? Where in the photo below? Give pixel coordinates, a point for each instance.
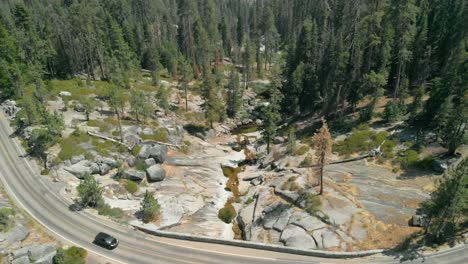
(322, 56)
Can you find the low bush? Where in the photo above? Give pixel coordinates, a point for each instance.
(140, 165)
(249, 200)
(45, 172)
(290, 184)
(72, 255)
(425, 164)
(131, 187)
(158, 135)
(105, 209)
(312, 203)
(6, 220)
(70, 146)
(227, 213)
(308, 161)
(409, 158)
(363, 140)
(300, 150)
(136, 149)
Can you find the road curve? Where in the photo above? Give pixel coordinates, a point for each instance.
(30, 192)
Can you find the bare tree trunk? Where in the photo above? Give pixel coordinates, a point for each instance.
(321, 179)
(186, 98)
(120, 126)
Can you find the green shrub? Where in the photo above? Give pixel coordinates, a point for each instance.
(150, 209)
(227, 213)
(136, 150)
(131, 187)
(45, 172)
(392, 111)
(290, 184)
(158, 135)
(307, 161)
(72, 255)
(363, 140)
(6, 221)
(105, 209)
(140, 165)
(425, 164)
(301, 150)
(312, 203)
(249, 200)
(410, 158)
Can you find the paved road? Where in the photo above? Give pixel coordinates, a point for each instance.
(31, 192)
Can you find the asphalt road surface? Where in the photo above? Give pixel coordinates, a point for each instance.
(34, 194)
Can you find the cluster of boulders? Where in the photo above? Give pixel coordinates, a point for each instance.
(37, 254)
(12, 249)
(275, 215)
(81, 167)
(153, 155)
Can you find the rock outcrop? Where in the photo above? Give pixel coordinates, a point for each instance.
(155, 173)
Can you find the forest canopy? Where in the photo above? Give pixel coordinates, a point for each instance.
(332, 53)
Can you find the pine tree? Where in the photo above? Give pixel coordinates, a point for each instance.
(323, 145)
(213, 103)
(373, 83)
(139, 104)
(89, 192)
(150, 208)
(448, 206)
(234, 95)
(117, 102)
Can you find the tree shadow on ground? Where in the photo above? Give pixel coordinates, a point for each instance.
(410, 249)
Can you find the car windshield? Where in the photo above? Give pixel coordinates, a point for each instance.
(109, 240)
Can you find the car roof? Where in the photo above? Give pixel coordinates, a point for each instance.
(103, 235)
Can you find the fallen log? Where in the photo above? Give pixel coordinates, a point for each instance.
(108, 138)
(162, 143)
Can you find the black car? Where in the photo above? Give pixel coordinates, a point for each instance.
(106, 240)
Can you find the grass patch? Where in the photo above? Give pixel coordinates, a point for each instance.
(107, 210)
(70, 146)
(104, 127)
(312, 203)
(140, 165)
(301, 150)
(195, 117)
(158, 135)
(307, 161)
(290, 184)
(249, 200)
(362, 140)
(244, 129)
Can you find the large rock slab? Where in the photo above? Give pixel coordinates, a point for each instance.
(80, 169)
(38, 252)
(326, 238)
(157, 152)
(134, 175)
(77, 159)
(21, 260)
(294, 236)
(155, 173)
(17, 234)
(113, 163)
(306, 221)
(274, 213)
